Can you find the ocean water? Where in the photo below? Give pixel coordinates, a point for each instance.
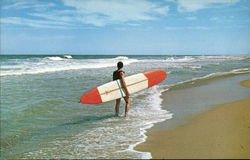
(41, 116)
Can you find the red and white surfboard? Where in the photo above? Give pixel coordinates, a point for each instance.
(113, 90)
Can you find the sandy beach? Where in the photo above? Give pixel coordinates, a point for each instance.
(221, 132)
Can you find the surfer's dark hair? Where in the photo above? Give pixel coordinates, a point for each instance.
(119, 65)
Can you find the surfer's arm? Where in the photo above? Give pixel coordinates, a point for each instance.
(124, 84)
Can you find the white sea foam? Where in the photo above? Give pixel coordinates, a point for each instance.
(67, 56)
(185, 59)
(172, 59)
(220, 74)
(197, 62)
(115, 137)
(55, 64)
(54, 58)
(121, 58)
(157, 114)
(177, 59)
(195, 67)
(241, 70)
(222, 58)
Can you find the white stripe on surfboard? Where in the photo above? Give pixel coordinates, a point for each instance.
(111, 91)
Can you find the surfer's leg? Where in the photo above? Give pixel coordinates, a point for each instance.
(127, 107)
(117, 105)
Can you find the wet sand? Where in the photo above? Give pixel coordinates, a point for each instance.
(245, 83)
(221, 132)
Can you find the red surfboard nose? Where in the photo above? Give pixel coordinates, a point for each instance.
(91, 97)
(155, 77)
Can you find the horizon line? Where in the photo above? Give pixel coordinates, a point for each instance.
(110, 54)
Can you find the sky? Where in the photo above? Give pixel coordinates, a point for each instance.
(124, 27)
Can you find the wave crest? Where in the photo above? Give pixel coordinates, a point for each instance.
(54, 58)
(67, 56)
(55, 64)
(121, 58)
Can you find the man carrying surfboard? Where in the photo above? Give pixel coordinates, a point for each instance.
(119, 74)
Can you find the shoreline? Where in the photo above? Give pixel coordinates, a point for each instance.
(220, 132)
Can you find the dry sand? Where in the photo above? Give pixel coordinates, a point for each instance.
(222, 132)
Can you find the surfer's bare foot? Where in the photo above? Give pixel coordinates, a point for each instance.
(126, 114)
